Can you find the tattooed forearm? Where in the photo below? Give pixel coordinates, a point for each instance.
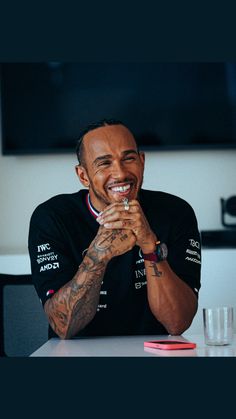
(156, 271)
(75, 304)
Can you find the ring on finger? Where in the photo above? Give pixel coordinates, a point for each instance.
(126, 204)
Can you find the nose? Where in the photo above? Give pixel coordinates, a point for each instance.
(118, 170)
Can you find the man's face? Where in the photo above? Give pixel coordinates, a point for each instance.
(114, 168)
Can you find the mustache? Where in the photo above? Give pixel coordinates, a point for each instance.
(118, 182)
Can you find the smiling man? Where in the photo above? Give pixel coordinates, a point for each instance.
(115, 259)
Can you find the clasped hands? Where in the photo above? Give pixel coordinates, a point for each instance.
(132, 218)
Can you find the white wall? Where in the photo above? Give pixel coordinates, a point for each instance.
(218, 284)
(200, 177)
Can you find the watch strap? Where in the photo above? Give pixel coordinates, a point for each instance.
(158, 255)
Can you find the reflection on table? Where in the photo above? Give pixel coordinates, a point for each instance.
(130, 346)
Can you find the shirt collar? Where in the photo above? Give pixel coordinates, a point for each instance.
(92, 210)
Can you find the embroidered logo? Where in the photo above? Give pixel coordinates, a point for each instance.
(43, 247)
(194, 243)
(54, 265)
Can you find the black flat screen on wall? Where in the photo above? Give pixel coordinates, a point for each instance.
(168, 106)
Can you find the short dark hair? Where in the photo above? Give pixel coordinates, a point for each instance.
(90, 127)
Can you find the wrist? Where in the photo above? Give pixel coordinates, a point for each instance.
(158, 255)
(149, 246)
(96, 258)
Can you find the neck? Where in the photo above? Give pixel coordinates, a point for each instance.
(96, 203)
(92, 209)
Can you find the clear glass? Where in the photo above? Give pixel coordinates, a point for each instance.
(218, 325)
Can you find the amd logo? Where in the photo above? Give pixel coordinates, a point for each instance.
(54, 265)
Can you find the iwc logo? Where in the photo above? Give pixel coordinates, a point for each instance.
(194, 243)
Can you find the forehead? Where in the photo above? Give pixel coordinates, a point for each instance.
(110, 139)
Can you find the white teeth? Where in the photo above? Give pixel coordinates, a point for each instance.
(120, 188)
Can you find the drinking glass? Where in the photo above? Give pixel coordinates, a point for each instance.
(218, 325)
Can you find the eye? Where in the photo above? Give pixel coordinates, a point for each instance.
(104, 163)
(129, 158)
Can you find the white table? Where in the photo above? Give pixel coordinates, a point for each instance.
(129, 346)
(15, 264)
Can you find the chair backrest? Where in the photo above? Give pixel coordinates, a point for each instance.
(23, 323)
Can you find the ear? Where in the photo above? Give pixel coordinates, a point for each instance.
(82, 175)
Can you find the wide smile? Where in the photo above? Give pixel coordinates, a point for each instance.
(122, 190)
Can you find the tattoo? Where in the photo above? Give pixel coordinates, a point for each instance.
(104, 245)
(75, 304)
(157, 273)
(123, 237)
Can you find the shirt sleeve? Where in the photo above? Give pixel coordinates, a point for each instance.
(52, 263)
(184, 249)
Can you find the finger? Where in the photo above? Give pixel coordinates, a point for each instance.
(134, 206)
(117, 211)
(117, 216)
(120, 224)
(111, 215)
(111, 209)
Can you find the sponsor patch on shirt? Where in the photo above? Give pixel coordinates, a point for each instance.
(193, 255)
(193, 260)
(43, 247)
(194, 243)
(46, 257)
(54, 265)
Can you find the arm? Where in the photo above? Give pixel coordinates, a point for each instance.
(72, 307)
(171, 300)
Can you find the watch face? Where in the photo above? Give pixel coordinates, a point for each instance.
(164, 250)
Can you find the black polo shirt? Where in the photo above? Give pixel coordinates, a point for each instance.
(62, 228)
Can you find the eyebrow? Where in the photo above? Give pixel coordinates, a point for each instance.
(109, 156)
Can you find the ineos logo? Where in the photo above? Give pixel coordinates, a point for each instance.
(194, 243)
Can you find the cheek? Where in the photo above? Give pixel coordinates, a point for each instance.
(99, 178)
